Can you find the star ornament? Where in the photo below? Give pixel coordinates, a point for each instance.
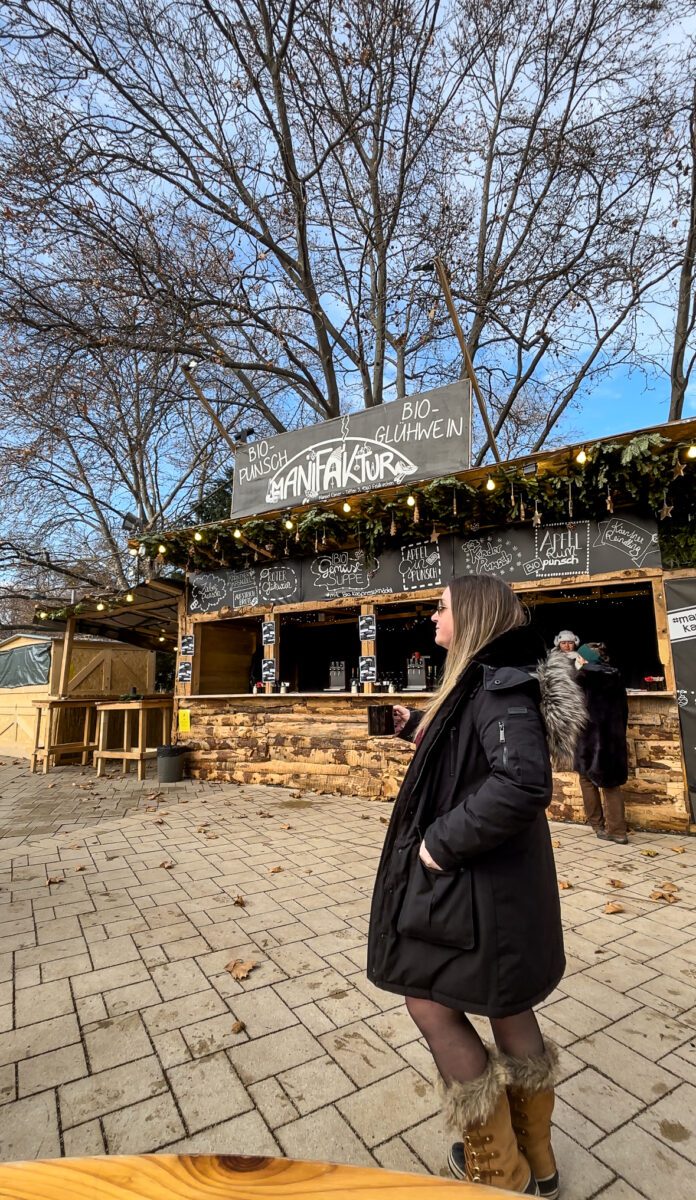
(679, 469)
(666, 510)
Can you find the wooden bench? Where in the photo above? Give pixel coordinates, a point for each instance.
(133, 749)
(50, 715)
(164, 1176)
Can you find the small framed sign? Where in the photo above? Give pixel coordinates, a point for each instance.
(268, 670)
(268, 633)
(367, 627)
(367, 668)
(183, 674)
(184, 720)
(187, 643)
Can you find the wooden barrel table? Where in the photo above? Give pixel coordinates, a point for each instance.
(208, 1177)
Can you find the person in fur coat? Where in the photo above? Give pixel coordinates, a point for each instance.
(465, 913)
(601, 756)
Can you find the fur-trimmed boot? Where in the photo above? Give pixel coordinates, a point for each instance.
(489, 1154)
(530, 1092)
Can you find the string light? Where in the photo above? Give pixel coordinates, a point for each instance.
(490, 484)
(581, 457)
(130, 598)
(198, 537)
(237, 534)
(691, 452)
(346, 506)
(411, 501)
(133, 550)
(43, 614)
(161, 549)
(160, 638)
(288, 525)
(100, 606)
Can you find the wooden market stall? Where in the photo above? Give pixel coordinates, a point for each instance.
(124, 692)
(297, 618)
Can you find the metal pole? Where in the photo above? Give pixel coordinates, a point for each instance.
(441, 271)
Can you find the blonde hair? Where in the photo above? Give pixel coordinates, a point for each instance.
(483, 608)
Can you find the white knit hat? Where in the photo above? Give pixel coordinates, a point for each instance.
(566, 635)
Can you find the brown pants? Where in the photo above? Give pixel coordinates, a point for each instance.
(609, 815)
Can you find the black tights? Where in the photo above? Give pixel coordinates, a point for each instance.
(457, 1048)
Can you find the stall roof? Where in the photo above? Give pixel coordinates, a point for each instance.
(145, 615)
(629, 470)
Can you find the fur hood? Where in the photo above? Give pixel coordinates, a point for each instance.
(562, 699)
(562, 707)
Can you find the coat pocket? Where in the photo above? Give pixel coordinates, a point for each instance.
(438, 907)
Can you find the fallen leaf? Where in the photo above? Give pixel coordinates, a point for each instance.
(154, 795)
(564, 884)
(274, 870)
(150, 808)
(238, 969)
(555, 843)
(82, 867)
(286, 827)
(364, 816)
(50, 785)
(308, 871)
(212, 836)
(674, 849)
(260, 813)
(668, 897)
(54, 879)
(203, 827)
(616, 883)
(238, 1027)
(611, 907)
(240, 902)
(167, 864)
(668, 886)
(158, 821)
(648, 853)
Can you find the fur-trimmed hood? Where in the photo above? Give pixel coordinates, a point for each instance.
(562, 707)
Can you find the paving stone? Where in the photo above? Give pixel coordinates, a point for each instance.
(171, 1049)
(624, 1067)
(650, 1033)
(431, 1142)
(600, 1100)
(274, 1053)
(84, 1140)
(583, 1176)
(577, 1017)
(116, 1040)
(131, 998)
(389, 1106)
(114, 951)
(38, 1038)
(324, 1135)
(246, 1134)
(8, 1090)
(395, 1027)
(185, 1010)
(311, 987)
(272, 1102)
(395, 1155)
(641, 1159)
(51, 1069)
(110, 978)
(65, 968)
(315, 1084)
(208, 1091)
(575, 1124)
(29, 1129)
(40, 1003)
(620, 1190)
(109, 1091)
(262, 1011)
(673, 1121)
(142, 1128)
(361, 1053)
(175, 979)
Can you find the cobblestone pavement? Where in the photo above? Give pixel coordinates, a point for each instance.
(122, 1028)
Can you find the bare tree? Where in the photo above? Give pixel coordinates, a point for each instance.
(683, 353)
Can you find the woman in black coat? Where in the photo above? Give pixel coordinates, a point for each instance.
(601, 754)
(465, 913)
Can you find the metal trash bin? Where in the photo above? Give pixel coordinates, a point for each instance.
(170, 763)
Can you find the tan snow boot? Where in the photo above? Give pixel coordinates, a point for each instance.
(530, 1092)
(488, 1154)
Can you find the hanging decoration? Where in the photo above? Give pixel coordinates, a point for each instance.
(536, 519)
(523, 511)
(610, 502)
(392, 527)
(435, 534)
(454, 503)
(416, 513)
(570, 499)
(666, 510)
(513, 503)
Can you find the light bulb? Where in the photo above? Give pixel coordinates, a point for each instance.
(43, 614)
(581, 458)
(346, 506)
(134, 551)
(100, 607)
(161, 549)
(288, 525)
(691, 452)
(160, 638)
(490, 484)
(237, 533)
(130, 598)
(198, 537)
(411, 501)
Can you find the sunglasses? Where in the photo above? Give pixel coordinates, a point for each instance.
(440, 607)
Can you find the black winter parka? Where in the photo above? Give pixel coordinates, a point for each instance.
(484, 934)
(601, 753)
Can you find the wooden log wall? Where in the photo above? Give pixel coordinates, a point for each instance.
(321, 744)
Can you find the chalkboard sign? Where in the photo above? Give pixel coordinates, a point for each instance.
(280, 583)
(187, 643)
(268, 670)
(367, 669)
(183, 674)
(367, 627)
(268, 631)
(420, 566)
(339, 573)
(681, 608)
(423, 437)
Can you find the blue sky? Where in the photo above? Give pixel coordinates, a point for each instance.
(625, 400)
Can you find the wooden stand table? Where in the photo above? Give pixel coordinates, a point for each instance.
(52, 748)
(132, 709)
(163, 1177)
